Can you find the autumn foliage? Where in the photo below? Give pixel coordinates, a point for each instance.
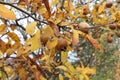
(36, 36)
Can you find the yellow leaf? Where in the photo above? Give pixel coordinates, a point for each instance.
(86, 77)
(70, 67)
(14, 36)
(60, 17)
(94, 13)
(52, 43)
(3, 28)
(22, 74)
(44, 58)
(60, 77)
(14, 48)
(43, 11)
(6, 13)
(1, 54)
(68, 6)
(117, 15)
(48, 31)
(63, 68)
(69, 48)
(10, 71)
(101, 8)
(2, 46)
(75, 38)
(34, 42)
(86, 70)
(64, 56)
(42, 78)
(30, 28)
(68, 75)
(53, 2)
(20, 51)
(71, 7)
(64, 23)
(81, 77)
(9, 51)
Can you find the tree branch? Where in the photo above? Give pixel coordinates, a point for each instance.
(9, 4)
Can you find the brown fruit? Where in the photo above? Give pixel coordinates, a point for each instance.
(118, 33)
(44, 39)
(109, 39)
(62, 43)
(112, 26)
(86, 10)
(118, 25)
(75, 26)
(110, 34)
(84, 27)
(109, 4)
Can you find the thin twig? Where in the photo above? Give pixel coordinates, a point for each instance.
(17, 24)
(62, 4)
(22, 11)
(4, 34)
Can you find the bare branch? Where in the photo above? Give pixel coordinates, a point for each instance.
(22, 11)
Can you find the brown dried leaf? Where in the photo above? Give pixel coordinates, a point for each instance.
(23, 74)
(54, 27)
(93, 42)
(46, 2)
(3, 28)
(14, 36)
(2, 46)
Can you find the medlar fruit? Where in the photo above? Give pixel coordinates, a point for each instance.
(110, 34)
(112, 26)
(62, 43)
(109, 4)
(118, 33)
(109, 39)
